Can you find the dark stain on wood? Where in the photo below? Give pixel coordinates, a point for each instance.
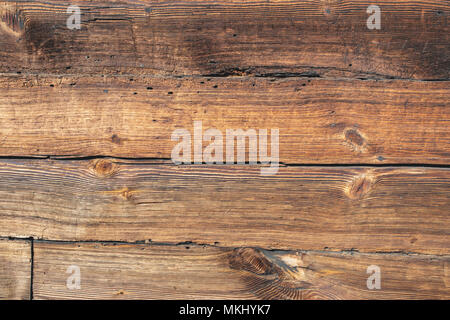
(184, 38)
(354, 137)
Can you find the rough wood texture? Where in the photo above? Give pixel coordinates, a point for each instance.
(15, 269)
(320, 121)
(178, 272)
(385, 209)
(316, 38)
(339, 93)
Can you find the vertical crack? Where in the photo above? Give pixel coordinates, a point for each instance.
(32, 268)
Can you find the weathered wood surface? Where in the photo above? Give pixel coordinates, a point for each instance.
(178, 272)
(367, 209)
(315, 38)
(320, 121)
(15, 269)
(339, 93)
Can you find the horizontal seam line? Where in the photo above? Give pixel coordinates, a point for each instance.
(279, 75)
(169, 161)
(190, 243)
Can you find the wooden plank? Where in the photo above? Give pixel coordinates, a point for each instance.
(312, 208)
(193, 272)
(319, 121)
(15, 269)
(228, 37)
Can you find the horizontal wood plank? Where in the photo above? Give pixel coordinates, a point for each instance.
(227, 37)
(319, 121)
(367, 209)
(194, 272)
(15, 269)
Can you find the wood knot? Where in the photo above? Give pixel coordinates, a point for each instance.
(251, 260)
(267, 275)
(126, 194)
(360, 186)
(354, 137)
(355, 140)
(104, 168)
(115, 139)
(120, 292)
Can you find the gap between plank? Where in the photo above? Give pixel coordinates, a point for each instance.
(225, 74)
(165, 161)
(195, 244)
(31, 267)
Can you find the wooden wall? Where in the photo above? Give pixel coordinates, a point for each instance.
(86, 177)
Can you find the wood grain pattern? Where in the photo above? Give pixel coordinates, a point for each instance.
(178, 272)
(15, 269)
(86, 118)
(315, 38)
(367, 209)
(320, 121)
